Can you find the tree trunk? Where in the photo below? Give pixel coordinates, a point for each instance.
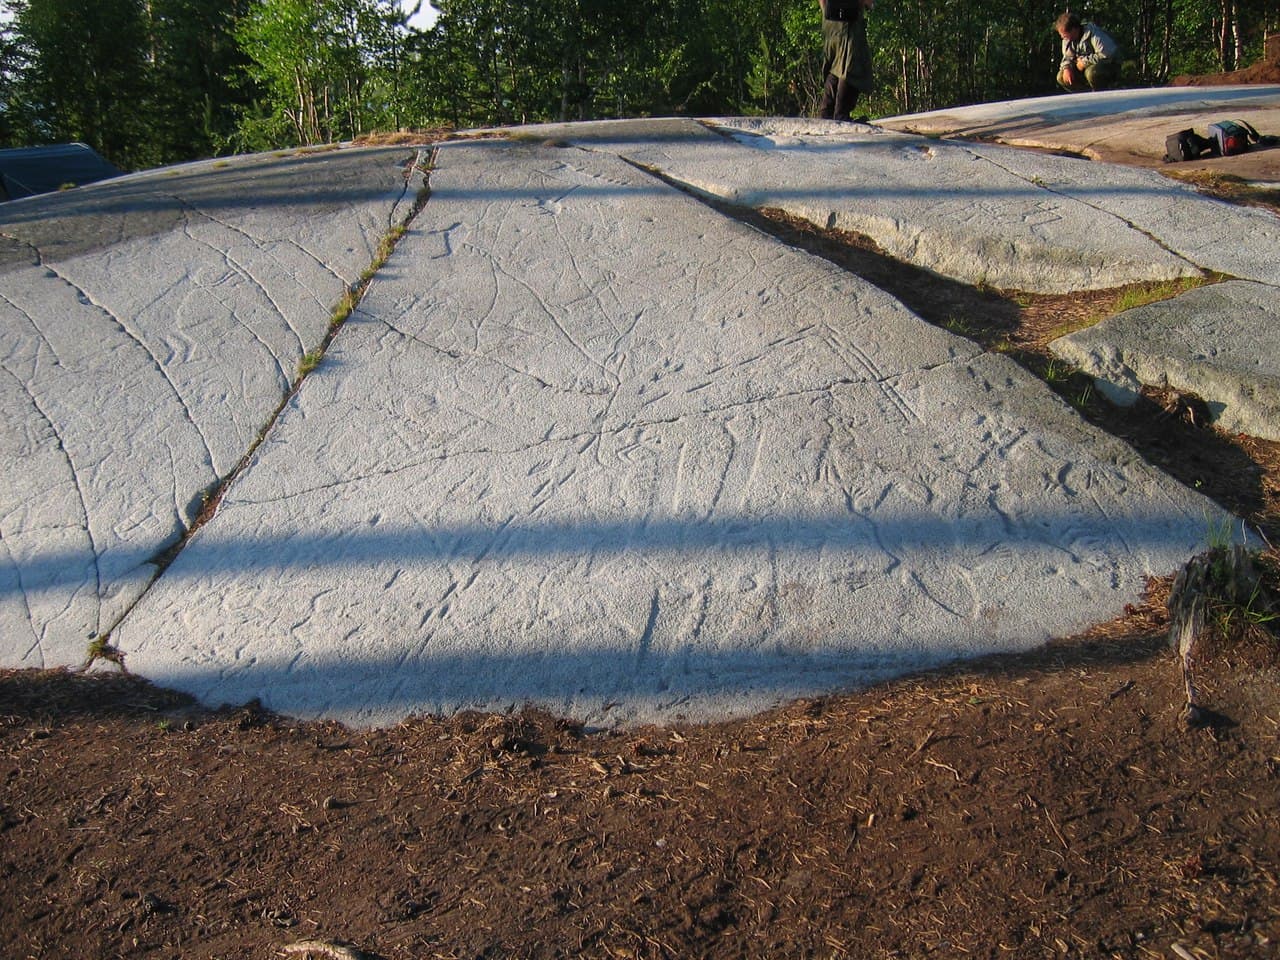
(906, 82)
(1224, 36)
(1163, 75)
(1237, 54)
(299, 123)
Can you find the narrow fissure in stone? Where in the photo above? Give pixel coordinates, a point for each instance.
(211, 497)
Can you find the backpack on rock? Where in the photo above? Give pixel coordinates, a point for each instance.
(1231, 137)
(1186, 145)
(1226, 139)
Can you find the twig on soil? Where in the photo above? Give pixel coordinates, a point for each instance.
(923, 743)
(935, 763)
(322, 948)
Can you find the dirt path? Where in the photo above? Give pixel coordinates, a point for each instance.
(1046, 805)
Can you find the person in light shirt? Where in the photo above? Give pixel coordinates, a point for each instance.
(1090, 58)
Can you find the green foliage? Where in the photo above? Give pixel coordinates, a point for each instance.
(1236, 601)
(1221, 536)
(784, 77)
(199, 75)
(82, 75)
(1055, 371)
(326, 66)
(260, 129)
(935, 53)
(100, 648)
(151, 81)
(9, 65)
(141, 81)
(1083, 398)
(1243, 613)
(310, 360)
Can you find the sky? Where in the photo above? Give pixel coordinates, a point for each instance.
(425, 18)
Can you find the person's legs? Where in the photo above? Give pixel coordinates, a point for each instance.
(826, 109)
(1102, 76)
(1073, 81)
(846, 100)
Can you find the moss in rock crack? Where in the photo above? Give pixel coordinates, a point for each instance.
(310, 360)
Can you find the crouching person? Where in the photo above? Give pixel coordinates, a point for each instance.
(1090, 58)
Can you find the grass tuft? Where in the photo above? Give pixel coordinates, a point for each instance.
(1232, 587)
(310, 360)
(1136, 295)
(1145, 293)
(413, 137)
(346, 303)
(1057, 371)
(1228, 187)
(100, 648)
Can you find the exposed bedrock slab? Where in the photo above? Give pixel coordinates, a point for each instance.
(1062, 110)
(1243, 242)
(149, 328)
(1121, 126)
(591, 444)
(1219, 342)
(979, 213)
(956, 209)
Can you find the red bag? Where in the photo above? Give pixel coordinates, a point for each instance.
(1230, 137)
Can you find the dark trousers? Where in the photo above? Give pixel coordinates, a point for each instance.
(838, 99)
(1096, 76)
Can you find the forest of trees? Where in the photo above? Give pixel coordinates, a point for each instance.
(149, 82)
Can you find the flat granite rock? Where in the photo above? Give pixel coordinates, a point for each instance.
(1033, 221)
(955, 209)
(1215, 236)
(589, 443)
(1061, 110)
(1219, 342)
(150, 326)
(1118, 126)
(978, 213)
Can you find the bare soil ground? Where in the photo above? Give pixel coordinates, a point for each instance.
(1264, 71)
(1055, 804)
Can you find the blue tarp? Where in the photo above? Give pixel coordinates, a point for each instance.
(26, 171)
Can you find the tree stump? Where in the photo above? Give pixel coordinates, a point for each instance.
(1209, 585)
